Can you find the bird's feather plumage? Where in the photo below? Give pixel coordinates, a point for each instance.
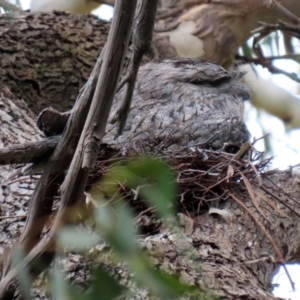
(183, 102)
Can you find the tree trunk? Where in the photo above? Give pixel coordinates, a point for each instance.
(45, 60)
(17, 127)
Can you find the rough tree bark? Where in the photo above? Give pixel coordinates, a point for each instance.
(17, 126)
(47, 64)
(47, 58)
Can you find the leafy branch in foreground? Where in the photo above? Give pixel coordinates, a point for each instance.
(114, 226)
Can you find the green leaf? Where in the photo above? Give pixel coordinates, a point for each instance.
(155, 183)
(104, 286)
(22, 274)
(116, 227)
(78, 239)
(151, 178)
(62, 290)
(247, 50)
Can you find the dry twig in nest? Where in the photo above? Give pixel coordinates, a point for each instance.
(203, 176)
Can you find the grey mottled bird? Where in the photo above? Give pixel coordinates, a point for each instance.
(176, 103)
(183, 102)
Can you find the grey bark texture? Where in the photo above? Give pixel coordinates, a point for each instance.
(50, 70)
(17, 126)
(47, 58)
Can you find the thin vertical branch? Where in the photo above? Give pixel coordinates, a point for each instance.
(142, 37)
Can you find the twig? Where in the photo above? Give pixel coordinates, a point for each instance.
(149, 209)
(13, 217)
(265, 29)
(288, 276)
(95, 125)
(252, 196)
(262, 259)
(29, 152)
(278, 199)
(107, 2)
(294, 57)
(141, 40)
(255, 140)
(262, 227)
(256, 172)
(60, 159)
(268, 64)
(285, 12)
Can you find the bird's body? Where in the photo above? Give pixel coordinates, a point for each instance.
(182, 102)
(74, 6)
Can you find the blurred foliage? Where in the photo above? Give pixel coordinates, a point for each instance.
(23, 276)
(103, 287)
(155, 184)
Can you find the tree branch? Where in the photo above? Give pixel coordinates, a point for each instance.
(144, 23)
(29, 152)
(75, 181)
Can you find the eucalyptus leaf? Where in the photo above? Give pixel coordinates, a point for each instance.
(104, 286)
(116, 227)
(153, 180)
(23, 274)
(62, 290)
(74, 238)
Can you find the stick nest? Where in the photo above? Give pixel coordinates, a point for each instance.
(204, 177)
